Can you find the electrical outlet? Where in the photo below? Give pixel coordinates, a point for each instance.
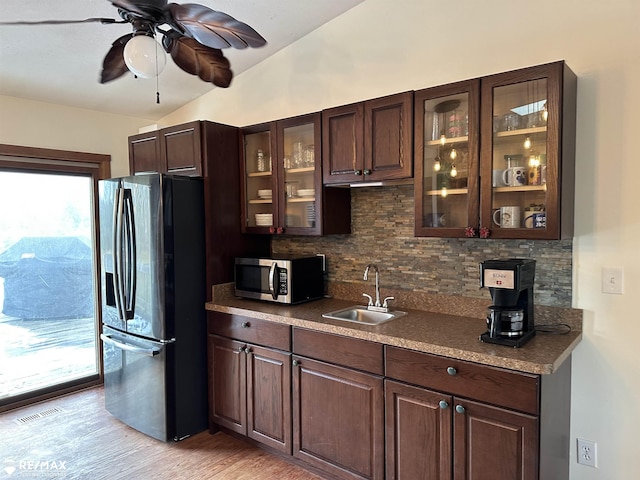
(612, 280)
(587, 453)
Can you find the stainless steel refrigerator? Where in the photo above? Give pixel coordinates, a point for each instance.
(153, 295)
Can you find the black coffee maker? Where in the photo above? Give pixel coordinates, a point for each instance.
(510, 318)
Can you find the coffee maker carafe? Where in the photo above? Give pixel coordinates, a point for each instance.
(510, 317)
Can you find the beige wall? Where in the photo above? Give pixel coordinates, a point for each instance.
(383, 47)
(44, 125)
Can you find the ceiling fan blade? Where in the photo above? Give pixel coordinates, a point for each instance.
(113, 65)
(64, 22)
(209, 64)
(211, 28)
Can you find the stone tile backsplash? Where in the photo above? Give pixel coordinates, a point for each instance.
(382, 233)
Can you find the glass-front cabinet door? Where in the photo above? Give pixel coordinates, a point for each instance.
(521, 150)
(446, 160)
(283, 177)
(260, 180)
(299, 168)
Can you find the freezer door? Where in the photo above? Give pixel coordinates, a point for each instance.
(133, 261)
(135, 382)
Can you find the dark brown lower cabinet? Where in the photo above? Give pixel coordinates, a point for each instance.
(360, 410)
(433, 436)
(338, 419)
(252, 391)
(418, 433)
(493, 443)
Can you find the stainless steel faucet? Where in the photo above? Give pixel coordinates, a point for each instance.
(383, 307)
(366, 277)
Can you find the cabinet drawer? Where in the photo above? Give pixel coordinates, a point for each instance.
(506, 388)
(350, 352)
(253, 330)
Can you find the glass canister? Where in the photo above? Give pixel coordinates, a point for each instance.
(261, 162)
(308, 156)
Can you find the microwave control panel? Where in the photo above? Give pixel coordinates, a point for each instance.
(282, 281)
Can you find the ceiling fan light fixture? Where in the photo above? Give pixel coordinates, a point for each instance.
(144, 56)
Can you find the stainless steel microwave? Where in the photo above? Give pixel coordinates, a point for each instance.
(282, 279)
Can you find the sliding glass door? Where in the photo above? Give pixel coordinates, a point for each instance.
(47, 291)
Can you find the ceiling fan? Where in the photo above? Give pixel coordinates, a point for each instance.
(194, 35)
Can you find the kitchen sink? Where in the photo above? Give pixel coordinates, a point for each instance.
(360, 314)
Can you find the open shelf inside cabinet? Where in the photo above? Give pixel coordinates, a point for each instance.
(523, 188)
(522, 131)
(448, 191)
(447, 141)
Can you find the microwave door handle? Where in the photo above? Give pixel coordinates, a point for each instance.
(117, 251)
(130, 260)
(272, 275)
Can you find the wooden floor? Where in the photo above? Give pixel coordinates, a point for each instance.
(80, 440)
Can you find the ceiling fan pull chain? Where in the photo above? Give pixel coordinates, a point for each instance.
(157, 80)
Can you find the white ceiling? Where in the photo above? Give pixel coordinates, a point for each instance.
(61, 64)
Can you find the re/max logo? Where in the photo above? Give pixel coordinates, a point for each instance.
(42, 465)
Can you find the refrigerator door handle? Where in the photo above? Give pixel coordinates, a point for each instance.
(118, 214)
(150, 352)
(130, 260)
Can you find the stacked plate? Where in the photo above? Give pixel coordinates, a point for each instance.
(264, 194)
(264, 219)
(307, 192)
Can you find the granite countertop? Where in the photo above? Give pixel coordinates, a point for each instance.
(449, 335)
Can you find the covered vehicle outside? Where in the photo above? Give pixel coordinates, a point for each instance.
(48, 277)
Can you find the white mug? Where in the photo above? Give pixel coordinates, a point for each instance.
(497, 178)
(515, 176)
(507, 217)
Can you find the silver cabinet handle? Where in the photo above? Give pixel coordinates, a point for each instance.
(443, 404)
(452, 371)
(460, 409)
(245, 325)
(296, 363)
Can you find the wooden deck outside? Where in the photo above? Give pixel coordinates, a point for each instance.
(38, 353)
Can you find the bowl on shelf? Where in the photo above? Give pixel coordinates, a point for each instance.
(307, 192)
(264, 193)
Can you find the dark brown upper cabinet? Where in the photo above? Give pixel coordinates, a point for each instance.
(282, 181)
(368, 141)
(144, 153)
(505, 169)
(446, 159)
(176, 150)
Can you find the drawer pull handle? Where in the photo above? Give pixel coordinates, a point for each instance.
(245, 325)
(241, 349)
(296, 363)
(452, 371)
(247, 350)
(443, 404)
(460, 409)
